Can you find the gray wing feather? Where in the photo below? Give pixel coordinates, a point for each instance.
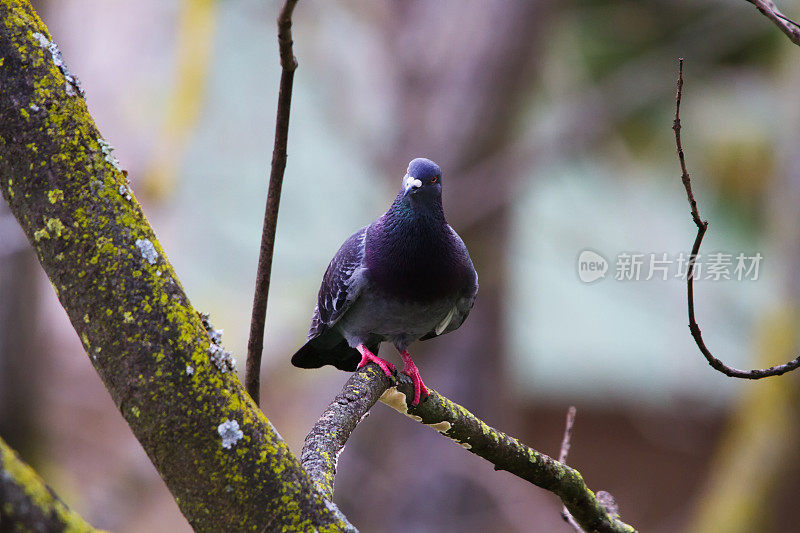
(341, 284)
(458, 314)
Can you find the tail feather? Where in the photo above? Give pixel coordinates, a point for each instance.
(316, 353)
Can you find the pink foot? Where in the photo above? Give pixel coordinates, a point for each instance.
(369, 357)
(410, 369)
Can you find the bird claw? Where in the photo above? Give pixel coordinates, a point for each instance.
(410, 370)
(369, 357)
(420, 390)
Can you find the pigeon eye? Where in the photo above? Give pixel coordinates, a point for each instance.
(434, 179)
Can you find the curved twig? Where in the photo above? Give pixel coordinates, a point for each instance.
(255, 345)
(460, 426)
(702, 226)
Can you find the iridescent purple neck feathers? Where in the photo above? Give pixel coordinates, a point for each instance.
(411, 252)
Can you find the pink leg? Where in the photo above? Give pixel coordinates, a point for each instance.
(369, 357)
(410, 369)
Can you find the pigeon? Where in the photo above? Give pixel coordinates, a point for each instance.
(405, 277)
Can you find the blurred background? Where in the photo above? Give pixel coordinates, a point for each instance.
(552, 123)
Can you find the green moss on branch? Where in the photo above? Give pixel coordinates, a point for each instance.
(122, 296)
(27, 504)
(464, 428)
(327, 438)
(507, 453)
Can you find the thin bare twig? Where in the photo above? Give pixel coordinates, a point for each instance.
(702, 226)
(562, 458)
(786, 25)
(565, 441)
(255, 345)
(460, 426)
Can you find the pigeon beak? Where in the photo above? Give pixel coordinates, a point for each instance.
(410, 185)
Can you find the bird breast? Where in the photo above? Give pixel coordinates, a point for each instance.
(417, 268)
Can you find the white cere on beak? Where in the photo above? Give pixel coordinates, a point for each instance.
(410, 183)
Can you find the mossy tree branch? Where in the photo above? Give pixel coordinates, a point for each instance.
(327, 438)
(224, 463)
(369, 384)
(27, 504)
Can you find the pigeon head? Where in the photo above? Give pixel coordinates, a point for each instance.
(423, 179)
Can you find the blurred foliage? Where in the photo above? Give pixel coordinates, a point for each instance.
(615, 32)
(193, 60)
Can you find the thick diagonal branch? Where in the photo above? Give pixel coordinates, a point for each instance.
(463, 428)
(255, 345)
(702, 226)
(224, 463)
